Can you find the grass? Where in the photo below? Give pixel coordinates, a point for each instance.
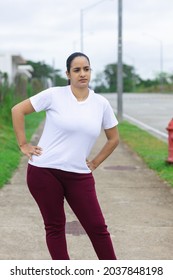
(153, 151)
(10, 154)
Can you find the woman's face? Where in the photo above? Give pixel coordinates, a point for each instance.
(80, 72)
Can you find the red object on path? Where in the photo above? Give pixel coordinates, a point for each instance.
(170, 142)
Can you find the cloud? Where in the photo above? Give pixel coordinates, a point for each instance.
(50, 30)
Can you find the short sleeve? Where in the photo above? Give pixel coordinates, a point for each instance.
(42, 101)
(109, 119)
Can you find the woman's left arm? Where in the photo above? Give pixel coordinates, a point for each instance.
(112, 136)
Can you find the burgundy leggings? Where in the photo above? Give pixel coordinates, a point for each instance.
(49, 187)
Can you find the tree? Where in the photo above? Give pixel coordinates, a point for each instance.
(40, 69)
(58, 79)
(109, 78)
(44, 72)
(110, 73)
(100, 83)
(130, 78)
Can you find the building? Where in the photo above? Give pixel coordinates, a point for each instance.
(9, 64)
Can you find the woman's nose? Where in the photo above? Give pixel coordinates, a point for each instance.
(82, 73)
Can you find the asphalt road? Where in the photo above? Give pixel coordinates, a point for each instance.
(150, 111)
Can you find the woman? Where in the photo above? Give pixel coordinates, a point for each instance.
(59, 167)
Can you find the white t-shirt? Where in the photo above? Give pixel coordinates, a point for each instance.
(71, 127)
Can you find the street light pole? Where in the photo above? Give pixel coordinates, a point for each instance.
(82, 11)
(161, 62)
(161, 58)
(120, 65)
(81, 29)
(161, 66)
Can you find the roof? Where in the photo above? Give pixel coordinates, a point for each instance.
(18, 59)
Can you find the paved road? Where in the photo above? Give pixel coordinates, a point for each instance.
(150, 111)
(137, 205)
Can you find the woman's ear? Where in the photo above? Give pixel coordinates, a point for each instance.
(68, 75)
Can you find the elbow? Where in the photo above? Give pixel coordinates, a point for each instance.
(116, 142)
(14, 109)
(16, 112)
(113, 138)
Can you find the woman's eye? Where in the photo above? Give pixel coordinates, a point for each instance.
(84, 69)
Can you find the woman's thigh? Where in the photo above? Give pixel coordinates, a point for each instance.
(82, 198)
(48, 192)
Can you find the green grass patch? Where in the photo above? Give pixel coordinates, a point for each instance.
(10, 154)
(153, 151)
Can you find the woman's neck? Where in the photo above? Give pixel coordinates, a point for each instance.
(80, 93)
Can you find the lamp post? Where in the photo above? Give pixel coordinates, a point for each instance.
(82, 11)
(161, 65)
(120, 65)
(160, 58)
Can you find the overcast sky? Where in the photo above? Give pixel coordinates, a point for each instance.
(49, 31)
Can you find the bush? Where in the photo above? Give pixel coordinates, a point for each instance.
(9, 151)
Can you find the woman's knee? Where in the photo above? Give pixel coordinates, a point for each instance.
(97, 228)
(54, 229)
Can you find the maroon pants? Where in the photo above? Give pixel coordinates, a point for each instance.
(49, 187)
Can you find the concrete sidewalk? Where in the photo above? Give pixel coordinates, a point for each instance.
(137, 205)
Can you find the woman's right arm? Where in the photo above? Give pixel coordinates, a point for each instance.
(18, 117)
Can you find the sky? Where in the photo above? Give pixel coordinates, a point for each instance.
(50, 30)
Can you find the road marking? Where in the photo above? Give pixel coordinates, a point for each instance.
(147, 127)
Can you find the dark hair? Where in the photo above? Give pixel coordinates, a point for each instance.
(73, 56)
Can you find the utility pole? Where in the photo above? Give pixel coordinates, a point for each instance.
(81, 29)
(120, 66)
(82, 13)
